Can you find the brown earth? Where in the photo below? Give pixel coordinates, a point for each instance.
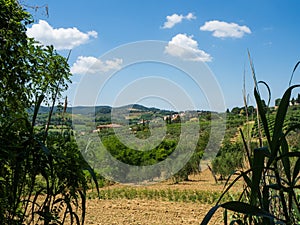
(154, 212)
(138, 212)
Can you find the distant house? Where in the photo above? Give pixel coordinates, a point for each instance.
(107, 126)
(172, 118)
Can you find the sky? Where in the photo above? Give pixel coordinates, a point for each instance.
(171, 53)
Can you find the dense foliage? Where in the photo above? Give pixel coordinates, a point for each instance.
(145, 155)
(41, 172)
(229, 159)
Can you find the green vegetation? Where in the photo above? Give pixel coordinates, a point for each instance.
(228, 160)
(271, 192)
(147, 155)
(42, 178)
(172, 195)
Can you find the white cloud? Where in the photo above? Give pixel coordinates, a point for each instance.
(60, 38)
(223, 29)
(92, 65)
(186, 47)
(175, 18)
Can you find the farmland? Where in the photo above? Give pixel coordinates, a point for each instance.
(174, 201)
(164, 203)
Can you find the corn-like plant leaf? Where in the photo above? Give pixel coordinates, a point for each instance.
(292, 128)
(262, 114)
(247, 180)
(286, 160)
(279, 187)
(58, 200)
(266, 204)
(225, 217)
(289, 154)
(247, 209)
(269, 91)
(83, 205)
(92, 173)
(36, 109)
(243, 174)
(69, 210)
(209, 215)
(246, 147)
(266, 198)
(297, 64)
(76, 217)
(279, 120)
(258, 165)
(296, 171)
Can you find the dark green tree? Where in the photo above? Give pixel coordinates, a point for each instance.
(228, 160)
(277, 101)
(35, 164)
(236, 110)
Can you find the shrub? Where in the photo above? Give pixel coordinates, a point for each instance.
(228, 160)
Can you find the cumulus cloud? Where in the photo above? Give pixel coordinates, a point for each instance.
(92, 65)
(223, 29)
(60, 38)
(186, 47)
(175, 18)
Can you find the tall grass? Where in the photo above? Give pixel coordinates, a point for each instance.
(271, 183)
(42, 178)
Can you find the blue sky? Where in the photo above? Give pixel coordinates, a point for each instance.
(216, 33)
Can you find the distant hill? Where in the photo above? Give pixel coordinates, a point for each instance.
(88, 110)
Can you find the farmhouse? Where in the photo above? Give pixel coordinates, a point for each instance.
(107, 126)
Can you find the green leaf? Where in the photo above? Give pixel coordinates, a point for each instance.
(246, 147)
(297, 64)
(274, 186)
(269, 91)
(258, 165)
(266, 198)
(225, 217)
(286, 160)
(209, 215)
(92, 173)
(262, 114)
(36, 109)
(292, 128)
(245, 208)
(244, 175)
(83, 205)
(289, 154)
(296, 171)
(279, 121)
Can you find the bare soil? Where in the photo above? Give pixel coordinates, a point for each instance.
(156, 212)
(140, 212)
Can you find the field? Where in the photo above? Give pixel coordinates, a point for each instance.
(142, 209)
(124, 211)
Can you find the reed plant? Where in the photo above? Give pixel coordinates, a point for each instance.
(271, 182)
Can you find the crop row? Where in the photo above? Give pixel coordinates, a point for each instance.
(172, 195)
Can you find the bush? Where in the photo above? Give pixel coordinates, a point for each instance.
(228, 160)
